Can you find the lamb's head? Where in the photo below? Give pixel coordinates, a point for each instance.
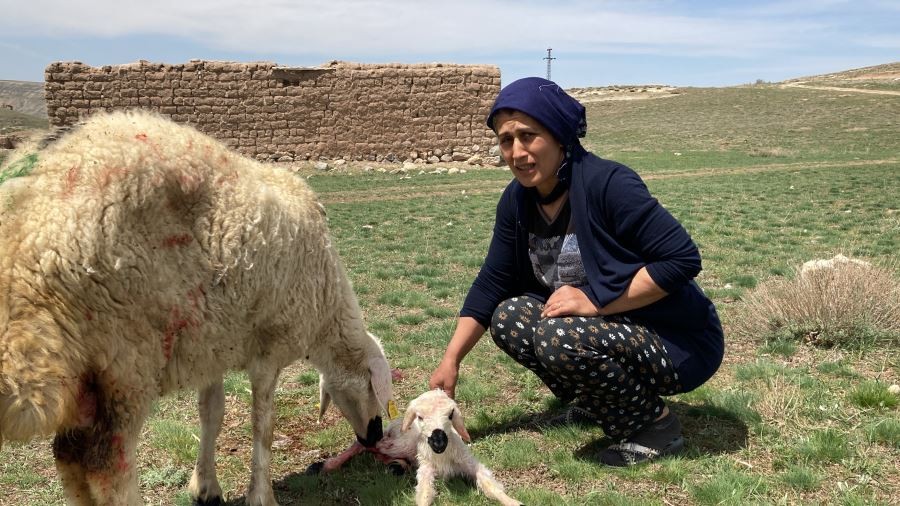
(435, 415)
(361, 389)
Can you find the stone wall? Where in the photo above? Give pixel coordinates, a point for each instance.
(393, 112)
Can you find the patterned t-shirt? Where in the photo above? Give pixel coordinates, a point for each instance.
(553, 248)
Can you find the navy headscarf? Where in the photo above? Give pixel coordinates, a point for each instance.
(546, 102)
(552, 107)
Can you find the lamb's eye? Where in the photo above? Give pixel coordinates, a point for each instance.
(420, 417)
(450, 416)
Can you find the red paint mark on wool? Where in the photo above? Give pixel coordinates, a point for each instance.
(141, 137)
(71, 179)
(178, 240)
(176, 324)
(119, 447)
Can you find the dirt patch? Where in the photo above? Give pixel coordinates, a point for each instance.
(636, 92)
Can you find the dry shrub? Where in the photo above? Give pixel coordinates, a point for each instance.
(838, 302)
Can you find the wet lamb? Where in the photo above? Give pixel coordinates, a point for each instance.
(432, 436)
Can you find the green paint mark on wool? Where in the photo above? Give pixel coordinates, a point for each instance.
(19, 168)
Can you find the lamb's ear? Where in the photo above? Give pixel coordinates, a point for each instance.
(324, 398)
(408, 418)
(459, 425)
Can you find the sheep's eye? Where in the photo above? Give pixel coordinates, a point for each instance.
(450, 416)
(420, 417)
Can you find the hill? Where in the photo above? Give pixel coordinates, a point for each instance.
(25, 97)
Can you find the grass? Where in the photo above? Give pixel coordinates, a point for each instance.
(766, 179)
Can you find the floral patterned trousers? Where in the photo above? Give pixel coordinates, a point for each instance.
(609, 366)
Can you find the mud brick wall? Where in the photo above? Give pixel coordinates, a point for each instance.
(391, 112)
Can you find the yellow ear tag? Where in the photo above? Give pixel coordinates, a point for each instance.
(392, 410)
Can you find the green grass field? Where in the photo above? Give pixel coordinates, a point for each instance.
(764, 178)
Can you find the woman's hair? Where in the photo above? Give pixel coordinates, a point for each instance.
(543, 100)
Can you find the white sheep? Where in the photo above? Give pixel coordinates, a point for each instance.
(432, 436)
(812, 266)
(139, 257)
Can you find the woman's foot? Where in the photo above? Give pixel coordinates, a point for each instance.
(659, 439)
(573, 415)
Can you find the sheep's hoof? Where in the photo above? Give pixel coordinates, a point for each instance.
(212, 501)
(315, 468)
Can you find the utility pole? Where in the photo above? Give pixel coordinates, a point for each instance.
(549, 59)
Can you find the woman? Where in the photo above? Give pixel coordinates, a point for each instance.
(588, 282)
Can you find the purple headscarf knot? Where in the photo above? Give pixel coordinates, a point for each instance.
(546, 102)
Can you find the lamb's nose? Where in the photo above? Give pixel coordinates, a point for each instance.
(438, 441)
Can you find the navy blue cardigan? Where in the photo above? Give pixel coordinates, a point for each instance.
(620, 228)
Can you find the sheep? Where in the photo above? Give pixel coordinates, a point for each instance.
(432, 434)
(139, 257)
(813, 266)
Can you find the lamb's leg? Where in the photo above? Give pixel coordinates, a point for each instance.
(335, 463)
(204, 487)
(263, 378)
(425, 484)
(492, 488)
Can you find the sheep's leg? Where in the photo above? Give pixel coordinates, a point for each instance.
(204, 487)
(97, 462)
(425, 484)
(263, 378)
(74, 483)
(492, 488)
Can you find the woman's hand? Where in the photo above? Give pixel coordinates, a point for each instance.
(444, 377)
(568, 301)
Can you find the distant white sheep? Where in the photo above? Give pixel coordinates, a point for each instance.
(432, 435)
(139, 257)
(837, 261)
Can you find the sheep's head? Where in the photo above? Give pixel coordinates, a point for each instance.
(362, 394)
(435, 415)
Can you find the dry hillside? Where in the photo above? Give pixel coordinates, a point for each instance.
(25, 97)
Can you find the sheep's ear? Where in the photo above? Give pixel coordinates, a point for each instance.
(380, 377)
(457, 421)
(324, 398)
(408, 418)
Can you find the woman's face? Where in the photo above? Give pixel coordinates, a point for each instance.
(530, 150)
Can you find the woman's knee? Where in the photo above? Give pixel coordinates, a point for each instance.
(514, 319)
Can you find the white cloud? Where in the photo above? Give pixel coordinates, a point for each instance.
(407, 27)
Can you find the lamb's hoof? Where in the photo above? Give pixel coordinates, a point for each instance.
(396, 469)
(211, 501)
(315, 468)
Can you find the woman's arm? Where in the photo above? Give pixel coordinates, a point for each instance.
(567, 300)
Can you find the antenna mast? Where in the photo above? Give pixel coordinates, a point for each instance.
(549, 59)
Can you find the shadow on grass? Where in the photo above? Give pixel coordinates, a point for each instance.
(361, 481)
(708, 430)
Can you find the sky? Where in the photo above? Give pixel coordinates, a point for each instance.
(594, 43)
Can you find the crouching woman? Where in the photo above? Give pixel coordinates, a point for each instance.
(588, 282)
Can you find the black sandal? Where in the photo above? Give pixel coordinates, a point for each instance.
(659, 439)
(630, 453)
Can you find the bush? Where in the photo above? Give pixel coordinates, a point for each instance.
(838, 302)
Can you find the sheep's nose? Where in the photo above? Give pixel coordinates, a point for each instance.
(373, 433)
(438, 441)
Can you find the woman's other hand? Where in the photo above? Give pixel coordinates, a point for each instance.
(568, 301)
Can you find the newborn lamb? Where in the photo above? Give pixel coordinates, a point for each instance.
(432, 434)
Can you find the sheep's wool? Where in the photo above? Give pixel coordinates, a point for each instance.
(138, 257)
